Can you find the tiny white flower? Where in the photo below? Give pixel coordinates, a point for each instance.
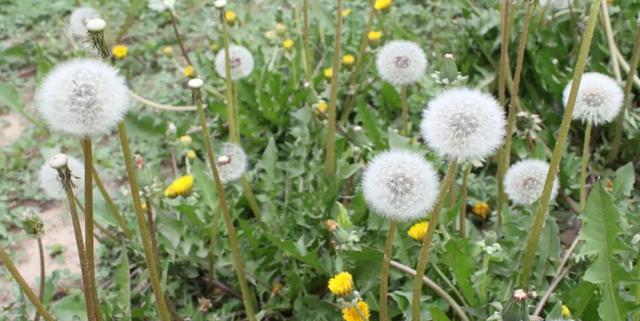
(463, 124)
(232, 162)
(79, 18)
(401, 62)
(83, 97)
(241, 62)
(599, 99)
(50, 180)
(400, 185)
(162, 5)
(524, 181)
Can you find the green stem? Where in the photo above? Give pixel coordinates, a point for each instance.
(426, 242)
(174, 23)
(513, 107)
(251, 198)
(226, 213)
(505, 8)
(65, 178)
(8, 263)
(463, 207)
(42, 276)
(113, 209)
(228, 82)
(558, 150)
(384, 274)
(212, 243)
(617, 138)
(353, 85)
(584, 165)
(89, 222)
(305, 41)
(405, 110)
(151, 260)
(331, 130)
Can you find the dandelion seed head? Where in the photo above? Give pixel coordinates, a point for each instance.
(83, 97)
(232, 162)
(162, 5)
(400, 185)
(241, 62)
(96, 24)
(79, 18)
(524, 181)
(599, 99)
(401, 62)
(50, 182)
(463, 124)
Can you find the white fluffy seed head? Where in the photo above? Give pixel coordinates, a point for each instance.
(241, 62)
(83, 97)
(463, 124)
(232, 162)
(50, 180)
(96, 24)
(524, 181)
(220, 4)
(162, 5)
(400, 185)
(79, 18)
(58, 161)
(599, 99)
(401, 62)
(195, 83)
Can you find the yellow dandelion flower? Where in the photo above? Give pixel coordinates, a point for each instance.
(189, 71)
(374, 36)
(348, 60)
(418, 231)
(230, 17)
(181, 186)
(191, 154)
(322, 107)
(185, 140)
(119, 51)
(565, 311)
(328, 73)
(287, 44)
(341, 284)
(382, 5)
(167, 51)
(346, 12)
(353, 313)
(481, 209)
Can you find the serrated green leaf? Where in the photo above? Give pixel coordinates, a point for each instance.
(438, 315)
(624, 181)
(458, 257)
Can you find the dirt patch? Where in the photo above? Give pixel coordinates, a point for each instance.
(11, 127)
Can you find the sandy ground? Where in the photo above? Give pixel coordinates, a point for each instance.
(11, 131)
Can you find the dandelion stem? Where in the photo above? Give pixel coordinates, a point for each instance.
(151, 260)
(384, 274)
(65, 178)
(405, 110)
(174, 23)
(505, 8)
(212, 242)
(228, 82)
(331, 130)
(226, 213)
(426, 242)
(617, 137)
(513, 107)
(42, 276)
(111, 204)
(8, 263)
(463, 207)
(584, 165)
(558, 150)
(89, 222)
(305, 41)
(353, 85)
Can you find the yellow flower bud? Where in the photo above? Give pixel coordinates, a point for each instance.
(356, 312)
(230, 17)
(418, 231)
(185, 140)
(565, 311)
(322, 107)
(181, 186)
(167, 51)
(341, 284)
(328, 73)
(382, 5)
(119, 51)
(189, 71)
(348, 60)
(374, 37)
(346, 12)
(191, 154)
(481, 209)
(287, 44)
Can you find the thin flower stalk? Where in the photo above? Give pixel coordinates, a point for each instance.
(333, 99)
(37, 303)
(174, 23)
(151, 260)
(405, 110)
(305, 42)
(353, 85)
(43, 276)
(384, 274)
(226, 213)
(233, 131)
(584, 165)
(505, 8)
(113, 209)
(426, 242)
(462, 223)
(513, 107)
(617, 137)
(558, 150)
